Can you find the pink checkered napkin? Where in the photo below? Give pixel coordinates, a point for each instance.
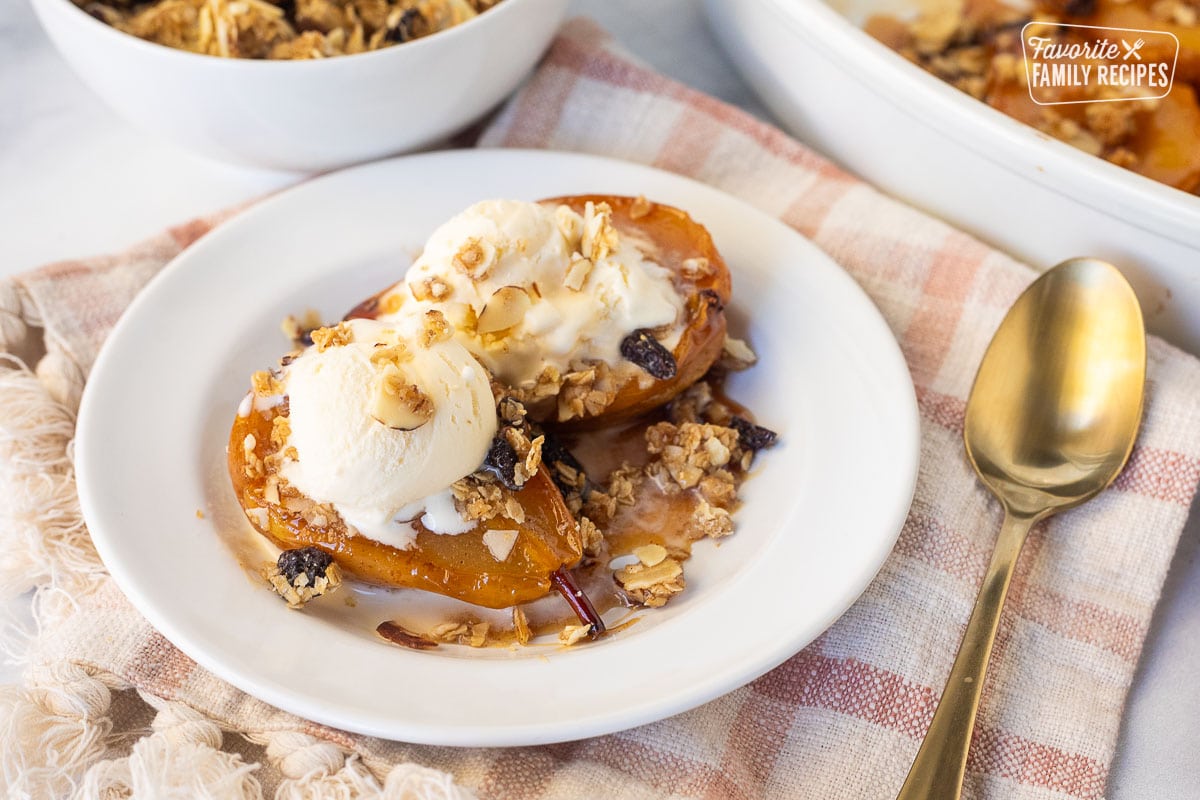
(843, 718)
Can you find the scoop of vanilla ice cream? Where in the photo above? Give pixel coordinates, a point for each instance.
(369, 472)
(572, 287)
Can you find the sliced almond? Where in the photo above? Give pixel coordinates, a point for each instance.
(450, 631)
(570, 634)
(521, 626)
(500, 543)
(633, 578)
(479, 634)
(577, 272)
(599, 236)
(258, 517)
(504, 309)
(739, 351)
(650, 554)
(399, 404)
(570, 225)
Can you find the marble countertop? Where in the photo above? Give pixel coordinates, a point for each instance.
(77, 180)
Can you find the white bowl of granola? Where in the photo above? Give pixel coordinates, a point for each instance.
(302, 115)
(928, 143)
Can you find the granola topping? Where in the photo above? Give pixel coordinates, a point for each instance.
(339, 335)
(476, 257)
(688, 452)
(301, 575)
(586, 392)
(436, 329)
(431, 289)
(659, 483)
(264, 384)
(541, 292)
(652, 585)
(303, 29)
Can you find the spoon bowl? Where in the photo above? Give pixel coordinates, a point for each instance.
(1056, 403)
(1050, 422)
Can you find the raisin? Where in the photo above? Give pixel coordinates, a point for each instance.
(305, 560)
(501, 461)
(751, 436)
(406, 27)
(555, 453)
(648, 353)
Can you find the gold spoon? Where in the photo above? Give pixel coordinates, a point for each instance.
(1050, 422)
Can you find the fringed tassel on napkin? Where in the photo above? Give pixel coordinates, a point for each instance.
(315, 769)
(14, 331)
(181, 760)
(56, 732)
(43, 540)
(414, 782)
(52, 731)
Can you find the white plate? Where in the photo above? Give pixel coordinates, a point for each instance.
(819, 517)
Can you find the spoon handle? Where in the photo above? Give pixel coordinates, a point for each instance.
(937, 772)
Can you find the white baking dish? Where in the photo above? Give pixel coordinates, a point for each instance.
(915, 137)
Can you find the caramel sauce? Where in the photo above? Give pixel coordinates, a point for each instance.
(656, 517)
